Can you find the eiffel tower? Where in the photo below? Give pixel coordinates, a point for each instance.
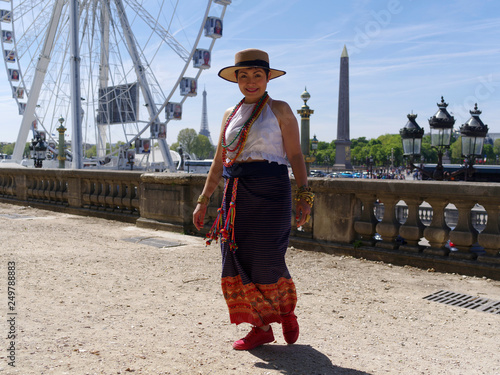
(204, 118)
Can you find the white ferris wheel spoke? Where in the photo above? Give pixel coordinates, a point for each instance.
(115, 48)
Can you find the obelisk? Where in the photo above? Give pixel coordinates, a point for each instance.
(343, 142)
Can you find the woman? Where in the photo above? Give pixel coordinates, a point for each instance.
(257, 137)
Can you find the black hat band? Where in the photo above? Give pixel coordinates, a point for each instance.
(253, 63)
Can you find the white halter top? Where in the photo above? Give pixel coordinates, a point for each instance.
(264, 141)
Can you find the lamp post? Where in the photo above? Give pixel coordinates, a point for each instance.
(305, 113)
(441, 125)
(62, 156)
(314, 148)
(314, 145)
(473, 133)
(38, 150)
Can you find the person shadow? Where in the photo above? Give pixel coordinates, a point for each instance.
(298, 360)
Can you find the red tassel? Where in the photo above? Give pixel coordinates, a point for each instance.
(226, 231)
(213, 233)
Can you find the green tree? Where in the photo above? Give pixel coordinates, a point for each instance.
(496, 146)
(194, 144)
(489, 152)
(91, 152)
(323, 145)
(187, 139)
(456, 151)
(174, 146)
(9, 148)
(202, 147)
(325, 156)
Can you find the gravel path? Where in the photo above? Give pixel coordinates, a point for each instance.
(104, 297)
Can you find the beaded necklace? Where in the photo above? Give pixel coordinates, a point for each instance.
(243, 132)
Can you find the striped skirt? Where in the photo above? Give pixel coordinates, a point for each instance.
(256, 283)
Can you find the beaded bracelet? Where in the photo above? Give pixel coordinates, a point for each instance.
(203, 199)
(305, 193)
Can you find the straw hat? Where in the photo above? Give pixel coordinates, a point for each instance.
(249, 58)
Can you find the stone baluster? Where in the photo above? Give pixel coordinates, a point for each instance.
(118, 196)
(3, 184)
(103, 191)
(489, 238)
(47, 186)
(95, 192)
(30, 187)
(134, 201)
(437, 232)
(413, 229)
(34, 188)
(464, 235)
(126, 196)
(86, 192)
(39, 189)
(365, 226)
(110, 194)
(53, 185)
(388, 228)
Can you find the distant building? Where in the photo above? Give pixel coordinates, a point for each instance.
(492, 137)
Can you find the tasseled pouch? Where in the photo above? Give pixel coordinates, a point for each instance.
(225, 230)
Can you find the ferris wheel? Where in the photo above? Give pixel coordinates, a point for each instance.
(113, 70)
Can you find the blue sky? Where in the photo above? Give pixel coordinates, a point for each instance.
(404, 55)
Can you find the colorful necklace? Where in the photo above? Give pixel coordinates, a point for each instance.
(243, 132)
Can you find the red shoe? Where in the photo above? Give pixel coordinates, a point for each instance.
(290, 327)
(255, 338)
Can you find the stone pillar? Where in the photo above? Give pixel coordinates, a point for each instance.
(305, 113)
(62, 155)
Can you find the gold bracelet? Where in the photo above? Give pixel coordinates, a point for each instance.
(305, 193)
(203, 199)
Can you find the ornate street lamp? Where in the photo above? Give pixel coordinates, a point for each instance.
(473, 133)
(411, 136)
(314, 144)
(38, 150)
(441, 125)
(314, 148)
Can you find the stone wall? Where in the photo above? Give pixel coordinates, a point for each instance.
(401, 222)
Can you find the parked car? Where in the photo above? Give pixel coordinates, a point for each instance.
(317, 173)
(346, 174)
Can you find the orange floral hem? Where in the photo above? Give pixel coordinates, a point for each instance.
(258, 304)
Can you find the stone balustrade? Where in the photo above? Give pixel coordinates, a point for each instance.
(107, 194)
(401, 222)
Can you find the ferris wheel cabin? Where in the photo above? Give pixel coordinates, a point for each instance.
(213, 27)
(201, 59)
(188, 86)
(173, 111)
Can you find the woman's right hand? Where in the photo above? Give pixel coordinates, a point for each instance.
(199, 215)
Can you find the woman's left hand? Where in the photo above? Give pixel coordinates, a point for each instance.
(302, 212)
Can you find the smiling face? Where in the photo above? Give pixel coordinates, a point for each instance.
(252, 83)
